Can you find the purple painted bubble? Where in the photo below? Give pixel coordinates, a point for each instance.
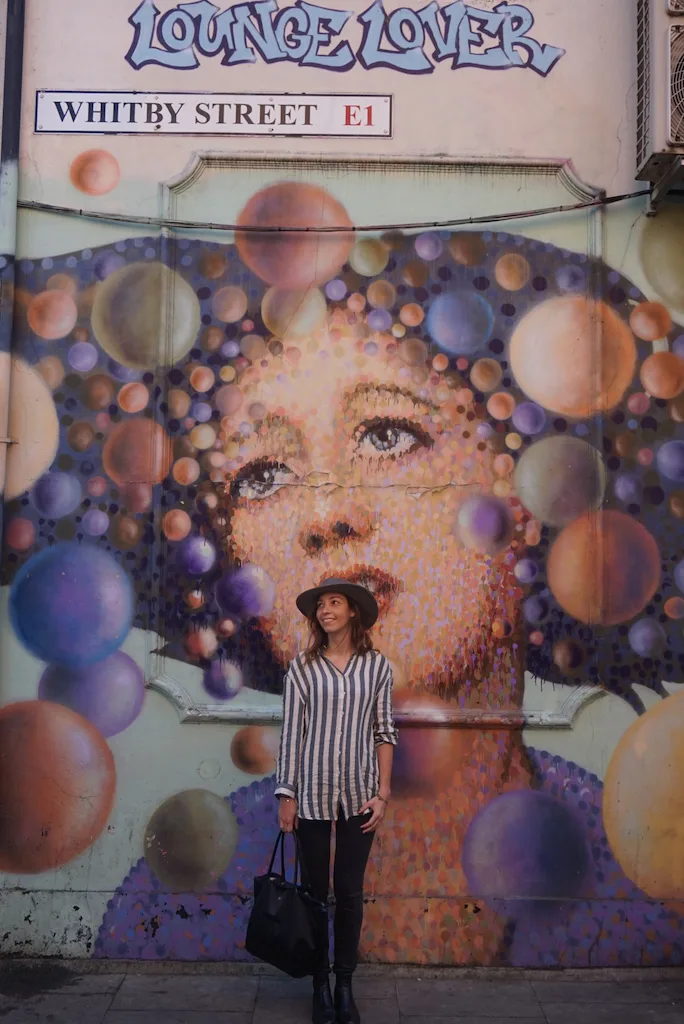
(526, 571)
(107, 263)
(535, 609)
(460, 322)
(247, 593)
(627, 487)
(670, 460)
(71, 604)
(196, 555)
(647, 637)
(679, 575)
(95, 522)
(110, 694)
(678, 346)
(529, 418)
(379, 320)
(200, 411)
(57, 494)
(230, 349)
(223, 680)
(82, 356)
(525, 843)
(485, 524)
(429, 245)
(571, 278)
(336, 290)
(371, 348)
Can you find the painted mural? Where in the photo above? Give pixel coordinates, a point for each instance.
(483, 428)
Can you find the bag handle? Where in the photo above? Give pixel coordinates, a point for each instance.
(300, 871)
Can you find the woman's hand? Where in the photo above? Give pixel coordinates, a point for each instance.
(287, 813)
(377, 806)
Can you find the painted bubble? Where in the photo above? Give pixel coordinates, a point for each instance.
(95, 172)
(627, 487)
(535, 609)
(679, 576)
(486, 375)
(190, 840)
(81, 435)
(95, 522)
(381, 294)
(293, 315)
(145, 315)
(229, 304)
(133, 397)
(71, 604)
(336, 290)
(196, 556)
(674, 608)
(670, 460)
(369, 257)
(254, 749)
(467, 248)
(428, 245)
(650, 321)
(573, 355)
(137, 451)
(52, 315)
(201, 643)
(430, 757)
(606, 582)
(222, 680)
(485, 524)
(248, 592)
(33, 423)
(110, 694)
(82, 356)
(571, 278)
(20, 534)
(296, 260)
(647, 763)
(647, 637)
(460, 322)
(212, 264)
(529, 418)
(379, 320)
(662, 375)
(501, 405)
(411, 314)
(176, 524)
(98, 392)
(57, 494)
(48, 825)
(512, 271)
(662, 254)
(526, 570)
(568, 656)
(559, 478)
(527, 843)
(106, 263)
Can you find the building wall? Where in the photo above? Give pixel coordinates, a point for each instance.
(473, 403)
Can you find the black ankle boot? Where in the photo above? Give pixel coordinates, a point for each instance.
(323, 1011)
(347, 1012)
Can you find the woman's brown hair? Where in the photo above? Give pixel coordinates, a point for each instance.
(318, 640)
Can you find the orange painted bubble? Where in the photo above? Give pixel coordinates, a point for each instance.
(52, 314)
(186, 471)
(20, 534)
(201, 643)
(662, 375)
(650, 321)
(604, 568)
(381, 294)
(440, 363)
(674, 607)
(137, 451)
(202, 379)
(133, 397)
(229, 304)
(176, 524)
(254, 749)
(95, 172)
(411, 314)
(212, 265)
(512, 271)
(467, 249)
(501, 405)
(179, 403)
(486, 375)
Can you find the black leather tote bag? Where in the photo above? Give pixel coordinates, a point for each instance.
(286, 922)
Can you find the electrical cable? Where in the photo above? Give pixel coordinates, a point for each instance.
(190, 225)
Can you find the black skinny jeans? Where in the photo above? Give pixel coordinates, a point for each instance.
(351, 856)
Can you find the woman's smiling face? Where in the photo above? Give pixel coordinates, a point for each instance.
(353, 460)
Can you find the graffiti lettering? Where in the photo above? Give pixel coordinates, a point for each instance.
(412, 42)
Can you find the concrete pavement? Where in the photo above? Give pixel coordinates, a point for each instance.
(49, 992)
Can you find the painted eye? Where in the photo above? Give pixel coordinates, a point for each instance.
(385, 436)
(260, 479)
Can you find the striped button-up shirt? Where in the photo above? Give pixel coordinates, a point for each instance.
(332, 723)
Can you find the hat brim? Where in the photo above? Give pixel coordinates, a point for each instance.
(368, 606)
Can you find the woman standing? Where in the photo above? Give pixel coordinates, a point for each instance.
(335, 764)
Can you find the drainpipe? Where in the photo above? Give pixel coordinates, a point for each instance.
(9, 192)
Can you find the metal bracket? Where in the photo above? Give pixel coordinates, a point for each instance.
(660, 188)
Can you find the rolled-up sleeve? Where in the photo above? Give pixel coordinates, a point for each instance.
(384, 729)
(294, 720)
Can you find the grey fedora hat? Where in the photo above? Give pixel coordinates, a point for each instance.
(368, 606)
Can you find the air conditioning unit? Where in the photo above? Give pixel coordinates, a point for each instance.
(660, 91)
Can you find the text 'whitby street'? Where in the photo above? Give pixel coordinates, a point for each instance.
(405, 40)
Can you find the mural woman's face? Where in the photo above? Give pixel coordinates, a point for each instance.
(362, 475)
